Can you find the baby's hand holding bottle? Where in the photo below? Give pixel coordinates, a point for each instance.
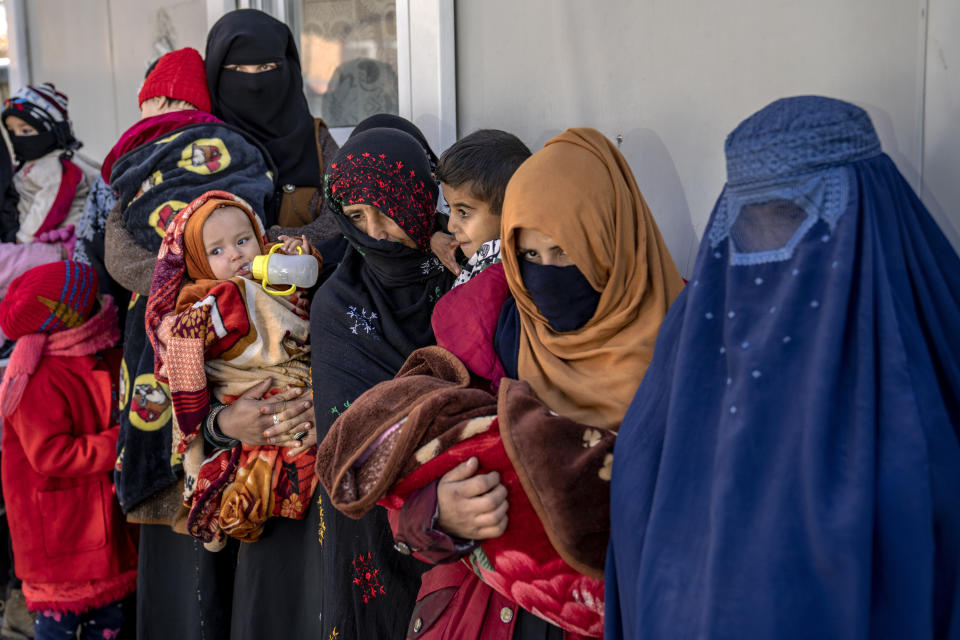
(277, 268)
(291, 244)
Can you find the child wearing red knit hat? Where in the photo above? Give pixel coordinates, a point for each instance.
(71, 546)
(177, 77)
(156, 168)
(174, 94)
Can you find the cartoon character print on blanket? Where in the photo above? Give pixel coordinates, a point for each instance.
(154, 181)
(159, 178)
(405, 433)
(161, 216)
(205, 156)
(144, 465)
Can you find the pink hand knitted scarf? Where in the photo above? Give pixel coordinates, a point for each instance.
(96, 334)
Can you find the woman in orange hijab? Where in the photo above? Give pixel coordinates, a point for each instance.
(590, 274)
(585, 282)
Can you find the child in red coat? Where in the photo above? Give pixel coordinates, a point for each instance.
(71, 546)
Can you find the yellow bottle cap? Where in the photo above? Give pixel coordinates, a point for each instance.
(259, 267)
(259, 272)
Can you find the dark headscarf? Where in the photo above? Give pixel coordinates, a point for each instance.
(375, 309)
(9, 218)
(365, 320)
(391, 121)
(790, 465)
(271, 105)
(387, 169)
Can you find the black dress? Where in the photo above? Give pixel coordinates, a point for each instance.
(183, 590)
(329, 576)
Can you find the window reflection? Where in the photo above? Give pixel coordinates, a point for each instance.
(4, 55)
(349, 55)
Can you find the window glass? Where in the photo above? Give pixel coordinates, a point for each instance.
(4, 55)
(348, 50)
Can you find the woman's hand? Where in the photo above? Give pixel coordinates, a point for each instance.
(307, 441)
(254, 421)
(290, 245)
(444, 246)
(471, 506)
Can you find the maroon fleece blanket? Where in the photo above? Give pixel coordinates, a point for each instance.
(407, 432)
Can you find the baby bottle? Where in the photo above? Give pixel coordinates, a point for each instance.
(277, 268)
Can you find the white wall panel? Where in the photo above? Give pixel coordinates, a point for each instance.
(674, 78)
(941, 163)
(69, 45)
(137, 30)
(96, 51)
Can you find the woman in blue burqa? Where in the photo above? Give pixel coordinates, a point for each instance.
(790, 466)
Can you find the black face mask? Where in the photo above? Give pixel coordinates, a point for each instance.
(257, 99)
(28, 148)
(562, 294)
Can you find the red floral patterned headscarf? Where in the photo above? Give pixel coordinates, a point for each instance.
(387, 169)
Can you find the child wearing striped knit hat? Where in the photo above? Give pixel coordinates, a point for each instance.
(58, 401)
(52, 179)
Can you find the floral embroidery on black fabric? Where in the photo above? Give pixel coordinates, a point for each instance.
(321, 524)
(367, 578)
(362, 320)
(435, 295)
(336, 410)
(431, 265)
(401, 187)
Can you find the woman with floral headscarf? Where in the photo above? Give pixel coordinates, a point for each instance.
(365, 320)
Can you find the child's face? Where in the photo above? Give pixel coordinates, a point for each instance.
(471, 221)
(159, 105)
(18, 127)
(377, 225)
(230, 243)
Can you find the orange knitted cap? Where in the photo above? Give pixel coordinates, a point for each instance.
(179, 75)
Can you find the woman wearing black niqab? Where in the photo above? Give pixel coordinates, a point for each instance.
(254, 76)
